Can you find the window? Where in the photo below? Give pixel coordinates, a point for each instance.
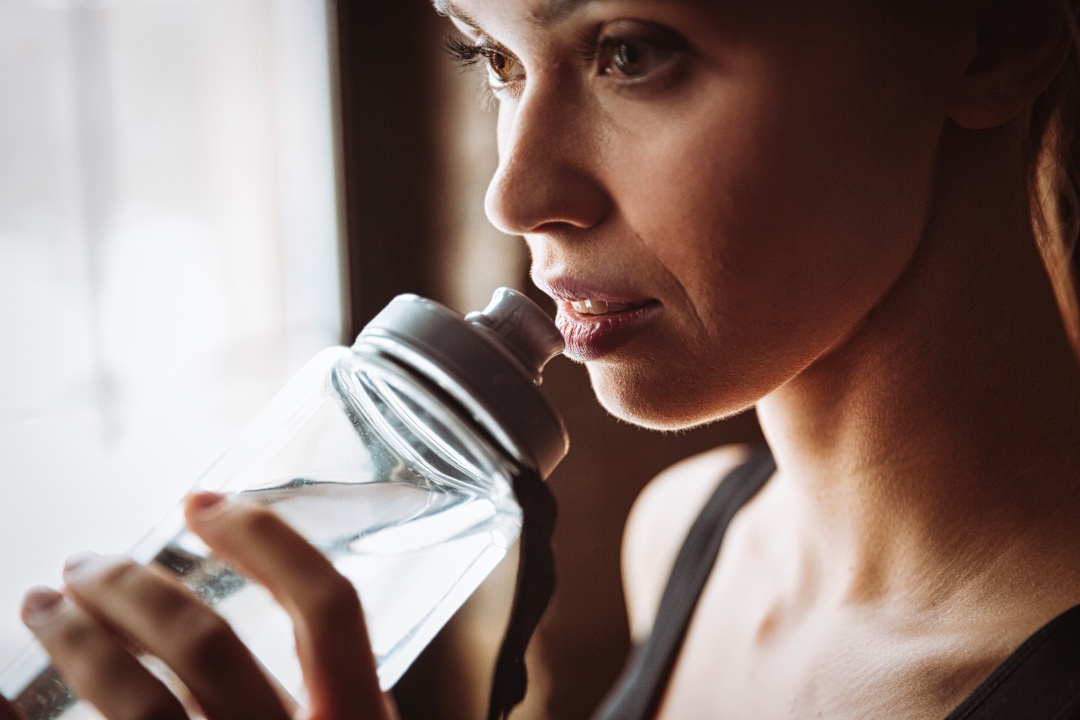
(168, 255)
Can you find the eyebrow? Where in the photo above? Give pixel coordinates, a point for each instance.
(550, 13)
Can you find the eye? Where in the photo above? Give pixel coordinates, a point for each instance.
(503, 68)
(631, 58)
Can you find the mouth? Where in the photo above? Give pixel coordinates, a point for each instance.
(586, 298)
(593, 329)
(597, 321)
(602, 307)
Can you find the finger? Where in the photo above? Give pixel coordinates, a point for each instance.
(94, 663)
(171, 623)
(331, 638)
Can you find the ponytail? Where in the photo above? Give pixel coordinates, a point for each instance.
(1055, 176)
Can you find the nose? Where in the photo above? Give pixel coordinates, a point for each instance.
(545, 177)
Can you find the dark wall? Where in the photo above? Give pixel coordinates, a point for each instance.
(388, 101)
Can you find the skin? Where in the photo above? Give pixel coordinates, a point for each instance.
(835, 225)
(826, 206)
(753, 261)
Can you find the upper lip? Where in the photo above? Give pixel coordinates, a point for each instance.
(567, 289)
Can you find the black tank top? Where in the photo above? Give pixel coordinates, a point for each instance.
(1040, 680)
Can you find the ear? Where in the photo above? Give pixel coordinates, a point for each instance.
(1018, 48)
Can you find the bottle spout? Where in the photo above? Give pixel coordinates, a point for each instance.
(522, 327)
(488, 361)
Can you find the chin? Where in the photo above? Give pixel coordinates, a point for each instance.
(668, 405)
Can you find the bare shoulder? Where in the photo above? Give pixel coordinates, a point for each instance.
(658, 523)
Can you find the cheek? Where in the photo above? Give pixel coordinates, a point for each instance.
(792, 187)
(785, 212)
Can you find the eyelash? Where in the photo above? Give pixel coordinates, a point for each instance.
(589, 49)
(468, 55)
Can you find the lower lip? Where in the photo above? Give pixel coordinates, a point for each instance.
(591, 337)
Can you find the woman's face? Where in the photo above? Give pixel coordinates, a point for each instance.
(714, 193)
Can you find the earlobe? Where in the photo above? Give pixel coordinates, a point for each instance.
(1019, 47)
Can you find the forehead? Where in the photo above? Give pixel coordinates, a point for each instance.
(549, 12)
(540, 12)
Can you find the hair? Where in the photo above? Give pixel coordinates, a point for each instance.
(1055, 175)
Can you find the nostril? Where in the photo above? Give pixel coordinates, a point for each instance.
(528, 198)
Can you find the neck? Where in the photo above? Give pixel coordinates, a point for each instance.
(940, 437)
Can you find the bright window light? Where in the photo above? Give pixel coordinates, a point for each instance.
(168, 255)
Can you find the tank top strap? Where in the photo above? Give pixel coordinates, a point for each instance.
(638, 692)
(1040, 680)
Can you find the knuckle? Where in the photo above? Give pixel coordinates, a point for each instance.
(72, 633)
(209, 642)
(259, 522)
(335, 598)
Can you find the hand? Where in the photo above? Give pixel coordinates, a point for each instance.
(112, 605)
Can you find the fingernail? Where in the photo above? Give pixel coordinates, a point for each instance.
(206, 505)
(40, 605)
(84, 566)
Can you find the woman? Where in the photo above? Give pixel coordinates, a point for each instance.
(822, 209)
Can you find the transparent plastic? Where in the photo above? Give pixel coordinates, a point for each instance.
(375, 466)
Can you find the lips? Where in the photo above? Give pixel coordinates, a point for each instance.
(595, 323)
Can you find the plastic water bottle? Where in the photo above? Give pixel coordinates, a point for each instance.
(396, 458)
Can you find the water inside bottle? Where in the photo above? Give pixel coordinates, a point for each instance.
(394, 493)
(413, 555)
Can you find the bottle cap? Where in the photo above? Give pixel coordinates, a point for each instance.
(489, 361)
